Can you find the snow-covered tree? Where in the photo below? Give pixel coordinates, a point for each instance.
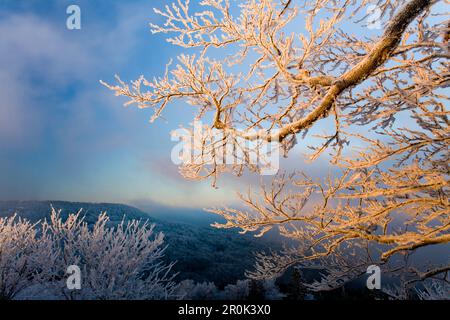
(254, 75)
(238, 291)
(271, 290)
(433, 284)
(434, 290)
(116, 262)
(189, 290)
(24, 256)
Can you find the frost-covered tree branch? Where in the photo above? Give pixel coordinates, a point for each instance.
(275, 81)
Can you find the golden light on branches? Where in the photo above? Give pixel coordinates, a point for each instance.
(279, 80)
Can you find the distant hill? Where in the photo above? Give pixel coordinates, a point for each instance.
(202, 252)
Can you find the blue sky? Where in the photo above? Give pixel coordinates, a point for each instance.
(63, 135)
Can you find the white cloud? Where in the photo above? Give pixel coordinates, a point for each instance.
(40, 59)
